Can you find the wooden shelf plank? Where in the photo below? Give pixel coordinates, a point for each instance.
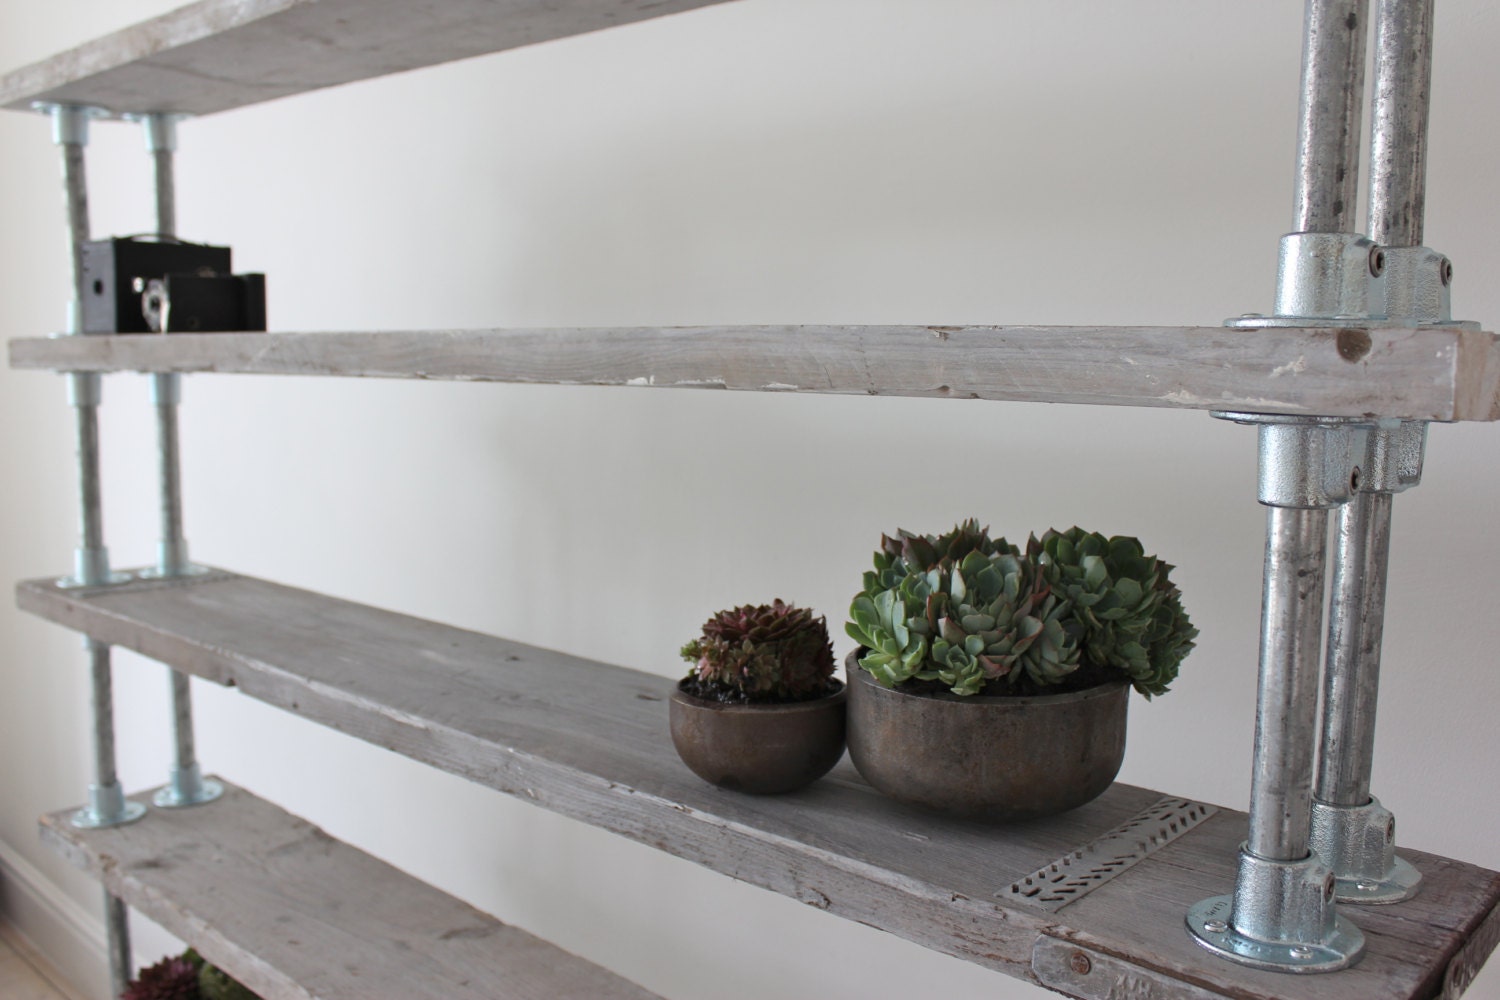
(220, 54)
(508, 716)
(1427, 374)
(295, 914)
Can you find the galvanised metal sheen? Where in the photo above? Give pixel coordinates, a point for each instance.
(1358, 843)
(1291, 629)
(185, 785)
(107, 805)
(1398, 137)
(996, 758)
(1350, 829)
(1282, 914)
(1328, 123)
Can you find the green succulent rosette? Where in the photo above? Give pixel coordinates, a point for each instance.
(963, 609)
(1131, 613)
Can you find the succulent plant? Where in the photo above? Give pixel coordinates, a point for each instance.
(173, 978)
(963, 609)
(769, 653)
(216, 984)
(1131, 612)
(971, 611)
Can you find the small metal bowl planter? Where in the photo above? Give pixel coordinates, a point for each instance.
(760, 749)
(989, 757)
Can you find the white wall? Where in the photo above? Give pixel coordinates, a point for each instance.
(860, 161)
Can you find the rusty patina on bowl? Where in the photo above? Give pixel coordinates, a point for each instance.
(761, 749)
(995, 758)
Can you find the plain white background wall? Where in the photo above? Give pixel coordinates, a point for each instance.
(801, 161)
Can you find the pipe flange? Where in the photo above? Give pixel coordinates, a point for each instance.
(91, 569)
(1208, 923)
(187, 787)
(107, 807)
(1281, 917)
(1359, 844)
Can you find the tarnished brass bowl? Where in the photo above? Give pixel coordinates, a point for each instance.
(996, 758)
(761, 749)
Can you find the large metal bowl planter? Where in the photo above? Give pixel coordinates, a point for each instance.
(992, 757)
(761, 749)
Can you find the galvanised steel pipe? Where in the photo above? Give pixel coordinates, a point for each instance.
(1398, 144)
(1356, 625)
(171, 558)
(1328, 133)
(107, 805)
(1351, 830)
(185, 785)
(1291, 627)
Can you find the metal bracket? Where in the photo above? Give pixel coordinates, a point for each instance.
(1281, 917)
(1306, 462)
(107, 807)
(1359, 844)
(1075, 875)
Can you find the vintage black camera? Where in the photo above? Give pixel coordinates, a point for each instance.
(134, 285)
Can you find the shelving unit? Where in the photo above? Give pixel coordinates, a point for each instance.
(1090, 903)
(297, 914)
(504, 715)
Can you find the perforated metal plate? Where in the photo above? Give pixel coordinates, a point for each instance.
(1080, 872)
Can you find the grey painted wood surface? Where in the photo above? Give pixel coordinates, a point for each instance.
(220, 54)
(1432, 374)
(295, 914)
(505, 715)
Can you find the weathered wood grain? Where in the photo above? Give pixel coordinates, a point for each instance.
(220, 54)
(295, 914)
(503, 714)
(1431, 374)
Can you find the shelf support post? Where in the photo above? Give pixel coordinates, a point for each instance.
(1282, 914)
(185, 785)
(1351, 829)
(107, 805)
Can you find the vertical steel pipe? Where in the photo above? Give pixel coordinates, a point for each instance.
(76, 199)
(1281, 915)
(107, 805)
(84, 395)
(120, 965)
(1356, 625)
(1351, 829)
(166, 187)
(171, 552)
(1333, 82)
(102, 703)
(185, 785)
(1290, 644)
(1398, 144)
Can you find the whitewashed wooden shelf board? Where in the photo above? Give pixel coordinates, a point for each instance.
(1428, 374)
(295, 914)
(590, 741)
(220, 54)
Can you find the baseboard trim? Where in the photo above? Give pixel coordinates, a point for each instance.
(69, 936)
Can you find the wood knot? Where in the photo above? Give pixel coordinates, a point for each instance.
(1353, 345)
